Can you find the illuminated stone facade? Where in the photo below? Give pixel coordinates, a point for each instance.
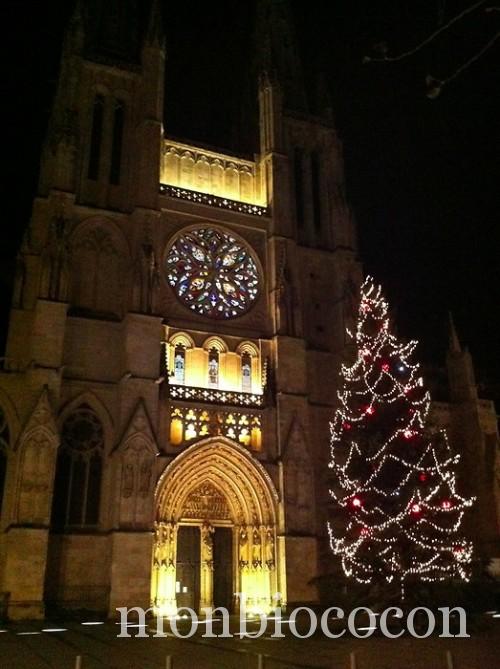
(155, 453)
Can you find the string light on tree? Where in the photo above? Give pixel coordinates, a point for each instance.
(397, 513)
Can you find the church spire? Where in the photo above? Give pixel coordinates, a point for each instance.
(454, 342)
(278, 52)
(460, 368)
(75, 32)
(155, 34)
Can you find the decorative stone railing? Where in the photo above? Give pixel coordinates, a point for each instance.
(216, 396)
(241, 425)
(212, 200)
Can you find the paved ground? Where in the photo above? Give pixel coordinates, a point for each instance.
(100, 647)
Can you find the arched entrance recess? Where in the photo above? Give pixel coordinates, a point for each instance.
(213, 486)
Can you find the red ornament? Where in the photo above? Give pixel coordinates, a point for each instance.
(422, 477)
(356, 502)
(408, 434)
(364, 532)
(385, 367)
(346, 426)
(370, 410)
(446, 504)
(416, 509)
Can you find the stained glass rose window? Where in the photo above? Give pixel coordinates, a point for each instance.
(212, 273)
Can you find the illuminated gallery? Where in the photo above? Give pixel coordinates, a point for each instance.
(177, 327)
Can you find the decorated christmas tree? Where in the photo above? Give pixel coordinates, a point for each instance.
(396, 511)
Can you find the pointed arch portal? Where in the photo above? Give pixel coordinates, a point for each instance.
(216, 498)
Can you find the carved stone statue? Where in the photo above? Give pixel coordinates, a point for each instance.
(207, 542)
(243, 546)
(165, 544)
(270, 559)
(256, 548)
(170, 540)
(213, 372)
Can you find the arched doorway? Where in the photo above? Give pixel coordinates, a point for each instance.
(216, 531)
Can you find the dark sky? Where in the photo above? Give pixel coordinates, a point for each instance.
(422, 175)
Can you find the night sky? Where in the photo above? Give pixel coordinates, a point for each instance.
(422, 175)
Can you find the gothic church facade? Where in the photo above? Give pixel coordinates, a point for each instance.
(176, 330)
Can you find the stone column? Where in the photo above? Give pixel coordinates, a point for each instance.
(207, 566)
(243, 546)
(164, 569)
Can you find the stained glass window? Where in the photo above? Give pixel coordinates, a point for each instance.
(77, 486)
(179, 364)
(212, 273)
(246, 373)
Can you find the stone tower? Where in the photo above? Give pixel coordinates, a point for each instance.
(473, 430)
(177, 324)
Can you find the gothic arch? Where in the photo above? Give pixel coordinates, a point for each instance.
(41, 421)
(248, 347)
(121, 94)
(215, 342)
(101, 89)
(240, 492)
(100, 409)
(216, 176)
(186, 169)
(250, 493)
(171, 164)
(78, 484)
(135, 458)
(107, 223)
(35, 457)
(181, 338)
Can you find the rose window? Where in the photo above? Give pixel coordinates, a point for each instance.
(212, 273)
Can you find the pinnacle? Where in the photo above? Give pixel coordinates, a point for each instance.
(454, 342)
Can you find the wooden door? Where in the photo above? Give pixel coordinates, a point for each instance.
(188, 567)
(223, 567)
